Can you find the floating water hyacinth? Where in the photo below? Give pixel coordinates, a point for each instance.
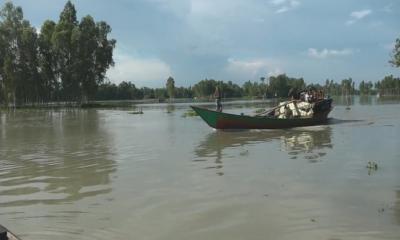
(372, 165)
(190, 113)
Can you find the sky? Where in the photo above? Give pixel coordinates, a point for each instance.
(240, 40)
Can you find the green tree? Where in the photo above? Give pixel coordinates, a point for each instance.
(347, 86)
(251, 89)
(396, 54)
(204, 88)
(67, 61)
(31, 88)
(47, 61)
(83, 54)
(389, 85)
(280, 85)
(103, 54)
(362, 88)
(18, 65)
(147, 93)
(65, 41)
(10, 30)
(161, 93)
(9, 80)
(170, 87)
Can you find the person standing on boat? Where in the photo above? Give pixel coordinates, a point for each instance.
(218, 97)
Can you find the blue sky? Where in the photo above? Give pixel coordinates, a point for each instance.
(240, 40)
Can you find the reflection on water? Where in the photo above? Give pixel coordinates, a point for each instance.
(170, 108)
(366, 100)
(59, 178)
(397, 207)
(309, 143)
(68, 159)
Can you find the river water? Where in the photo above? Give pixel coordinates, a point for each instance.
(108, 174)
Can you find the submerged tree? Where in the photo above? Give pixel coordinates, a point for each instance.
(65, 43)
(66, 61)
(171, 87)
(83, 52)
(47, 62)
(18, 62)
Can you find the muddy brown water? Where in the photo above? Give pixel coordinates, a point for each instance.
(108, 174)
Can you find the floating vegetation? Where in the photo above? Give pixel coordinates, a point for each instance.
(372, 165)
(136, 112)
(244, 153)
(170, 109)
(190, 113)
(259, 110)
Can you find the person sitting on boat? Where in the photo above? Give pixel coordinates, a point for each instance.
(294, 94)
(218, 96)
(307, 96)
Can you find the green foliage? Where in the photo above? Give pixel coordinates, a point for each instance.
(205, 89)
(47, 62)
(280, 85)
(347, 86)
(395, 61)
(182, 92)
(189, 113)
(66, 61)
(18, 64)
(123, 91)
(230, 90)
(170, 87)
(366, 88)
(389, 85)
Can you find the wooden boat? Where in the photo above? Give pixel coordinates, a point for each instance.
(5, 234)
(221, 120)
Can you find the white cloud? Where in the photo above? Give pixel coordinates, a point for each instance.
(282, 10)
(388, 8)
(141, 71)
(253, 68)
(285, 5)
(358, 15)
(326, 53)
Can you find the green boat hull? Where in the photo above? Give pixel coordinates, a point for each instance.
(221, 120)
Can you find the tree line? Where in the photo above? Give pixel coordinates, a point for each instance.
(67, 61)
(64, 61)
(275, 86)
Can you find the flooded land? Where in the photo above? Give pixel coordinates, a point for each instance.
(107, 174)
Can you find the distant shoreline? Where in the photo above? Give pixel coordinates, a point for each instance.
(107, 104)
